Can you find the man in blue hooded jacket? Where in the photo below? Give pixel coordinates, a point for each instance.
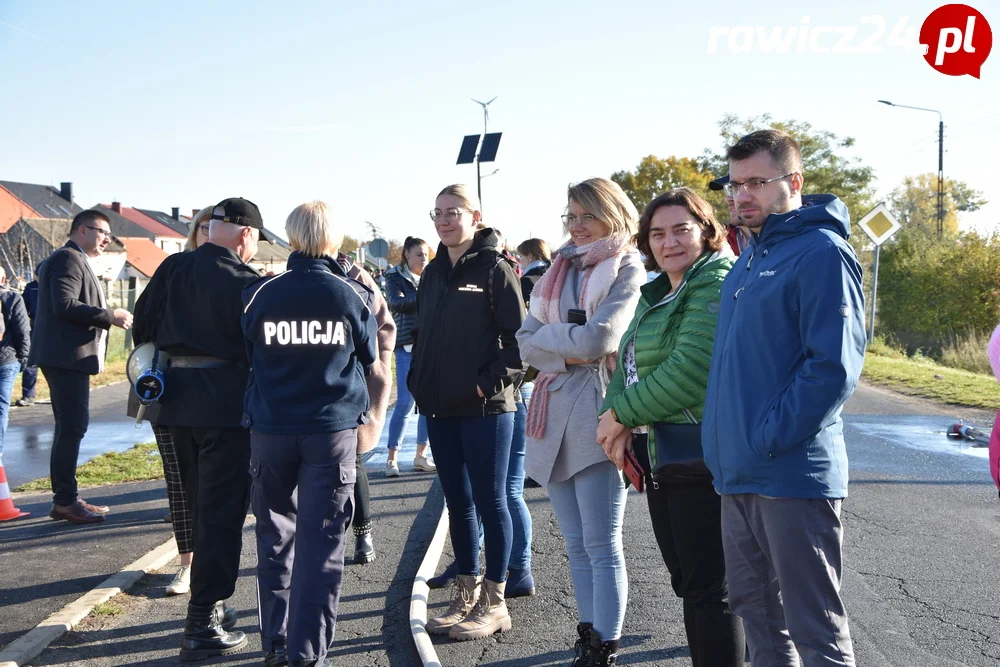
(789, 347)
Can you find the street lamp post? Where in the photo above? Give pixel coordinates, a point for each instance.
(940, 183)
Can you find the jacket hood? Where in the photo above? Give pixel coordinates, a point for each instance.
(817, 211)
(485, 239)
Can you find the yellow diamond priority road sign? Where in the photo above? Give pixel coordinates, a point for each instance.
(879, 224)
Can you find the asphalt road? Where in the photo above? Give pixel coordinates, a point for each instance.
(920, 528)
(28, 442)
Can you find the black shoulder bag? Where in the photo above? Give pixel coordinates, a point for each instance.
(679, 456)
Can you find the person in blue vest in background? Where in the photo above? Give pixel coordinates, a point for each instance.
(311, 336)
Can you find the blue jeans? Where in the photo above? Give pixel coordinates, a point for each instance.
(472, 454)
(520, 518)
(404, 405)
(590, 508)
(8, 373)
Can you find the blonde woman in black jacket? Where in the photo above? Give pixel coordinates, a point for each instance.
(465, 363)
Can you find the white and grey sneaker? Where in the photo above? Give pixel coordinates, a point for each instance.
(391, 469)
(182, 581)
(424, 464)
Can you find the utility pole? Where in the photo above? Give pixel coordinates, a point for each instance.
(940, 188)
(940, 174)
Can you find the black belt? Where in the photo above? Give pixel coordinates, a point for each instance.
(203, 362)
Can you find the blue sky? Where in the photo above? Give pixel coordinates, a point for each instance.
(184, 104)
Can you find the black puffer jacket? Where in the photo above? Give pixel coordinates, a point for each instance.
(401, 294)
(465, 335)
(531, 277)
(17, 334)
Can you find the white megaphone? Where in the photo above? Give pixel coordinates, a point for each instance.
(145, 370)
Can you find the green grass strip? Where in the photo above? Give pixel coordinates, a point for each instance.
(140, 463)
(917, 377)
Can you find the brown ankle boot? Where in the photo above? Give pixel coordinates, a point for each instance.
(489, 616)
(467, 593)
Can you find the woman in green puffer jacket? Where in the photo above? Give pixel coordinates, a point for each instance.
(661, 377)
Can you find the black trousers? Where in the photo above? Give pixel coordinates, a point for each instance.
(214, 465)
(362, 497)
(70, 392)
(29, 378)
(303, 498)
(687, 521)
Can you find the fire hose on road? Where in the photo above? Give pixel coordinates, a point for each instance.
(975, 435)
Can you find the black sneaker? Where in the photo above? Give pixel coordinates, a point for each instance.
(24, 402)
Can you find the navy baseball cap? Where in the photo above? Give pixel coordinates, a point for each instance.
(718, 183)
(243, 212)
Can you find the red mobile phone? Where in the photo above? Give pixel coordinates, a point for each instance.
(634, 472)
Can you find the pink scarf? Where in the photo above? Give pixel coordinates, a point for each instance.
(599, 261)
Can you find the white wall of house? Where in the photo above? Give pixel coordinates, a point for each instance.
(169, 244)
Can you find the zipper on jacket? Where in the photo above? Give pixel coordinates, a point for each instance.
(723, 349)
(650, 445)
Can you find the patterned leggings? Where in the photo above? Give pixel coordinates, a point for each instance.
(175, 491)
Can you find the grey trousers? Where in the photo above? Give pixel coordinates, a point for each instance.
(783, 562)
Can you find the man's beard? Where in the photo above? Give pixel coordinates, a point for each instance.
(778, 207)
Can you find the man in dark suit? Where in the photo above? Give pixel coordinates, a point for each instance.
(191, 309)
(69, 344)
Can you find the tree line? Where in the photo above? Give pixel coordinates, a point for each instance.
(931, 289)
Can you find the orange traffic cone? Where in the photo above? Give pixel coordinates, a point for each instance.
(7, 509)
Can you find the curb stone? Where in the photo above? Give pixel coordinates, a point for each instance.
(419, 596)
(23, 649)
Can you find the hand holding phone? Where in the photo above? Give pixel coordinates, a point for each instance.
(634, 472)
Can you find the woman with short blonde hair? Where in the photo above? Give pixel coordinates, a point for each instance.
(305, 404)
(311, 230)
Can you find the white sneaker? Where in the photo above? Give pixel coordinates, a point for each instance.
(423, 464)
(391, 469)
(182, 581)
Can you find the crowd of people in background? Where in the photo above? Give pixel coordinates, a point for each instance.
(715, 389)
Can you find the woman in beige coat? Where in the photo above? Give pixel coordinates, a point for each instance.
(579, 310)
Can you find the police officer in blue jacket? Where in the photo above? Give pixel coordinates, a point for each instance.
(311, 340)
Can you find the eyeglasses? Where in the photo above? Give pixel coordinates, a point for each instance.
(586, 219)
(451, 214)
(106, 232)
(203, 229)
(751, 187)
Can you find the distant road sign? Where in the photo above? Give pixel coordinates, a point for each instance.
(879, 224)
(378, 248)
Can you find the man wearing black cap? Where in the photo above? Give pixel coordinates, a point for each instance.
(739, 234)
(191, 309)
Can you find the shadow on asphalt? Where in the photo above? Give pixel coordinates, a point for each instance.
(924, 482)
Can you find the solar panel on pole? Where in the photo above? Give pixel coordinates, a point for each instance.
(491, 142)
(467, 154)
